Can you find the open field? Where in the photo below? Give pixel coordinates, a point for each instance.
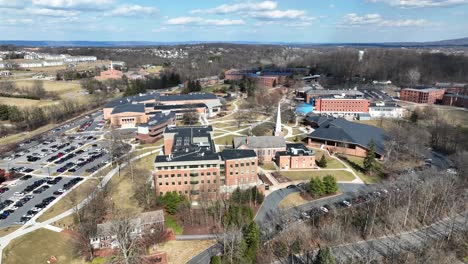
(79, 67)
(340, 175)
(356, 164)
(226, 140)
(22, 136)
(292, 200)
(156, 69)
(67, 202)
(454, 116)
(39, 246)
(121, 187)
(22, 102)
(183, 251)
(155, 144)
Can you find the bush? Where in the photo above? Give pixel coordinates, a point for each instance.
(215, 260)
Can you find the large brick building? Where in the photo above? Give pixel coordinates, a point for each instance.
(133, 109)
(422, 96)
(341, 106)
(191, 166)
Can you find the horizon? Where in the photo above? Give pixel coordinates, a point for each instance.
(295, 21)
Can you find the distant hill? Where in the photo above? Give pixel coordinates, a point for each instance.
(462, 42)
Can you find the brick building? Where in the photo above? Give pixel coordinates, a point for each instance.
(191, 166)
(296, 156)
(153, 130)
(422, 96)
(455, 100)
(350, 138)
(205, 104)
(341, 106)
(311, 93)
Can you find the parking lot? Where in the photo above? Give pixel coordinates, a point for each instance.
(21, 203)
(68, 155)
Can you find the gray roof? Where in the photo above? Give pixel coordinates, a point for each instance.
(229, 154)
(139, 108)
(159, 118)
(147, 218)
(319, 119)
(260, 142)
(296, 149)
(345, 131)
(322, 92)
(190, 96)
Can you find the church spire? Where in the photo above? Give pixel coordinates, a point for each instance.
(278, 130)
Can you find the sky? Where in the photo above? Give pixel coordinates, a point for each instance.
(311, 21)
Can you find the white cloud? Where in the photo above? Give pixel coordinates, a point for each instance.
(423, 3)
(51, 12)
(204, 22)
(278, 14)
(133, 10)
(354, 19)
(15, 21)
(74, 4)
(238, 7)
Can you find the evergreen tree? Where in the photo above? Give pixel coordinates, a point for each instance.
(329, 184)
(252, 241)
(4, 112)
(370, 164)
(414, 117)
(316, 187)
(198, 87)
(322, 162)
(325, 256)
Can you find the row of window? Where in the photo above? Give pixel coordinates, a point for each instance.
(242, 164)
(187, 167)
(186, 182)
(173, 175)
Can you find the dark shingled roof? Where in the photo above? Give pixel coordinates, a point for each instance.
(318, 119)
(139, 108)
(229, 154)
(183, 97)
(345, 131)
(184, 106)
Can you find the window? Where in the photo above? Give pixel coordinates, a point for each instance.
(237, 165)
(179, 175)
(172, 175)
(167, 183)
(160, 183)
(185, 182)
(159, 176)
(173, 183)
(180, 183)
(208, 181)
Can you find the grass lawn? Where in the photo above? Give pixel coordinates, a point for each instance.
(22, 136)
(183, 251)
(226, 140)
(8, 230)
(156, 69)
(67, 202)
(59, 87)
(331, 162)
(172, 223)
(121, 187)
(454, 116)
(268, 166)
(340, 175)
(292, 200)
(22, 102)
(356, 163)
(39, 246)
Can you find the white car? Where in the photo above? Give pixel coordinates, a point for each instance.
(323, 209)
(14, 208)
(346, 203)
(61, 190)
(19, 194)
(305, 215)
(35, 209)
(9, 158)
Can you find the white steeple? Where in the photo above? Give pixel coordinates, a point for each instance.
(278, 130)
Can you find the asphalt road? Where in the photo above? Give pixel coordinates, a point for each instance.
(269, 207)
(21, 185)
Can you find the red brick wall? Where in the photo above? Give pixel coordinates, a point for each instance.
(296, 162)
(422, 97)
(342, 105)
(244, 173)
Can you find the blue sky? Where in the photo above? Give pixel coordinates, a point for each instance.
(317, 21)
